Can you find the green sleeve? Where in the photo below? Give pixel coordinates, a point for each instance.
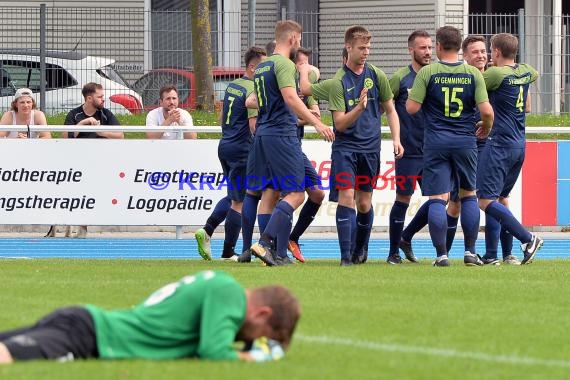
(480, 90)
(285, 72)
(251, 112)
(493, 78)
(395, 84)
(320, 91)
(533, 72)
(336, 96)
(311, 101)
(384, 86)
(418, 92)
(223, 312)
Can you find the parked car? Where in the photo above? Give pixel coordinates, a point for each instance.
(66, 74)
(148, 86)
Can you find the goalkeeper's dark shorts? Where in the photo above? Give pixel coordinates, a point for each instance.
(65, 334)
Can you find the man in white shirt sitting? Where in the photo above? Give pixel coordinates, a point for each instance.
(168, 114)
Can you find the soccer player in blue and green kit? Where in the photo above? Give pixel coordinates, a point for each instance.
(354, 100)
(410, 166)
(199, 316)
(276, 158)
(447, 92)
(502, 159)
(238, 125)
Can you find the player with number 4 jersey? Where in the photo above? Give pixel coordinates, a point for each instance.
(502, 159)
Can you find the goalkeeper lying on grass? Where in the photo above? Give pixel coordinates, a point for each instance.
(200, 316)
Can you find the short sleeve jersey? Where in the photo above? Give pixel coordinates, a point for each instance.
(411, 126)
(364, 134)
(449, 93)
(198, 316)
(103, 115)
(156, 117)
(275, 117)
(322, 89)
(508, 90)
(308, 101)
(236, 134)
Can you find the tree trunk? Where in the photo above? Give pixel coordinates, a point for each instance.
(202, 54)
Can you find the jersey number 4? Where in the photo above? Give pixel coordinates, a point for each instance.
(450, 97)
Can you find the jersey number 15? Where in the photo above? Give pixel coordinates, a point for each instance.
(450, 96)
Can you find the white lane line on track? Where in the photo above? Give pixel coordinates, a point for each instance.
(450, 353)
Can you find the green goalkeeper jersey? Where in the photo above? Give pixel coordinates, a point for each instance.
(198, 316)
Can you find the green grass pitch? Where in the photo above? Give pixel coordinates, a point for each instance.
(372, 321)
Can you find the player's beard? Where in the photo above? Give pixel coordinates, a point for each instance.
(420, 59)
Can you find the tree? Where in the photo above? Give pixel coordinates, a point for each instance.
(202, 53)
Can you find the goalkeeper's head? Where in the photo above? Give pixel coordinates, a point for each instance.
(273, 312)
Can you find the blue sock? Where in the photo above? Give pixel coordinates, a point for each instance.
(492, 233)
(419, 221)
(306, 217)
(232, 227)
(397, 217)
(470, 215)
(262, 220)
(506, 242)
(451, 230)
(508, 221)
(363, 228)
(437, 221)
(279, 226)
(344, 230)
(248, 214)
(352, 231)
(218, 215)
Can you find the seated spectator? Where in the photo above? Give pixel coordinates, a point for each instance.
(91, 112)
(23, 112)
(168, 114)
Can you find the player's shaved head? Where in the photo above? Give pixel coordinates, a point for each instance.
(284, 28)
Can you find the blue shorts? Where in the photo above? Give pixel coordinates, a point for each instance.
(498, 171)
(442, 166)
(353, 170)
(312, 179)
(235, 172)
(276, 162)
(408, 174)
(454, 193)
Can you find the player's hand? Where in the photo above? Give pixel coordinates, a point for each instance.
(325, 131)
(482, 132)
(174, 115)
(398, 150)
(363, 100)
(265, 350)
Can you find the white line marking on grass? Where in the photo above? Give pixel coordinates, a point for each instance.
(450, 353)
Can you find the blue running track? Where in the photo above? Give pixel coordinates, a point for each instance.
(96, 248)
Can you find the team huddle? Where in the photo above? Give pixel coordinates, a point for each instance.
(457, 128)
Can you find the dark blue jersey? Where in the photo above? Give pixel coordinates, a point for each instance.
(364, 135)
(275, 118)
(236, 134)
(508, 91)
(449, 93)
(411, 126)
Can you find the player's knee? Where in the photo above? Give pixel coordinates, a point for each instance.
(316, 196)
(5, 356)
